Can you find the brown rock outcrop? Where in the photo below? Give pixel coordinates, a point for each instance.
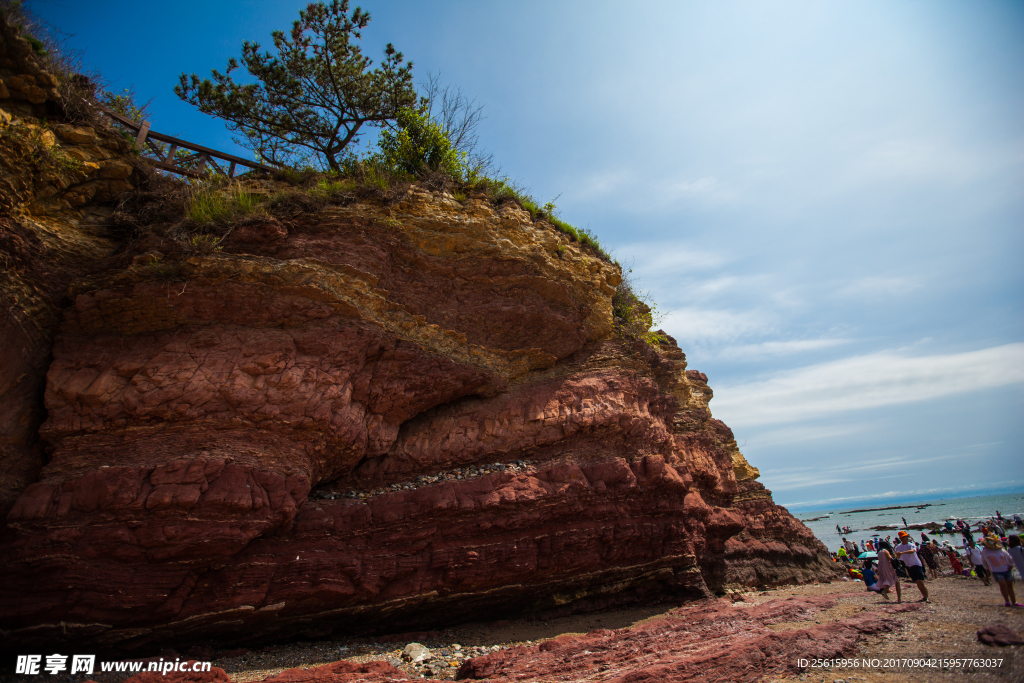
(52, 174)
(371, 417)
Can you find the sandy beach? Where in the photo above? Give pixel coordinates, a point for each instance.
(945, 627)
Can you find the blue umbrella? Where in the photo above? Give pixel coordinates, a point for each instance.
(870, 553)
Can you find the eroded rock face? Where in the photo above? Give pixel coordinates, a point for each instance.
(52, 173)
(371, 418)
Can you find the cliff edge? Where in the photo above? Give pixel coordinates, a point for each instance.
(375, 415)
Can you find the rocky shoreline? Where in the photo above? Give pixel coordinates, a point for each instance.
(753, 636)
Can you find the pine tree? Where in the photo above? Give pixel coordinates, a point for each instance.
(314, 96)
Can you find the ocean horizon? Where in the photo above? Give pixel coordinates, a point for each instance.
(886, 517)
(892, 498)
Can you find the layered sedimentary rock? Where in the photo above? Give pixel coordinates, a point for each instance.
(56, 182)
(373, 417)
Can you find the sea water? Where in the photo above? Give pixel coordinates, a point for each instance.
(823, 522)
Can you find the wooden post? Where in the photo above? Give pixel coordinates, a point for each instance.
(140, 141)
(170, 154)
(214, 164)
(231, 171)
(202, 163)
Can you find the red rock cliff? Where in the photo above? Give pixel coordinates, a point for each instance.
(372, 417)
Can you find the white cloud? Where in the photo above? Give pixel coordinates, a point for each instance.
(601, 184)
(691, 324)
(634, 191)
(701, 187)
(658, 258)
(776, 348)
(787, 479)
(934, 160)
(802, 433)
(881, 286)
(878, 379)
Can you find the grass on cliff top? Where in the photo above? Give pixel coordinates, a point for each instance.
(210, 209)
(500, 190)
(369, 179)
(214, 204)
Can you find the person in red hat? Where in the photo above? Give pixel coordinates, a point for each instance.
(908, 553)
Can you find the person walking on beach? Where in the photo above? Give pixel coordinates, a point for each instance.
(999, 562)
(908, 553)
(927, 553)
(979, 564)
(1013, 547)
(887, 576)
(905, 526)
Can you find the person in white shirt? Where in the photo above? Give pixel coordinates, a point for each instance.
(974, 553)
(999, 562)
(908, 553)
(1014, 548)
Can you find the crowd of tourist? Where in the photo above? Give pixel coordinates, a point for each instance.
(996, 554)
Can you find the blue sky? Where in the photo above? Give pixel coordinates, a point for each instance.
(825, 199)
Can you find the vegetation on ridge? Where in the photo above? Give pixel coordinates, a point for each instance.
(430, 140)
(316, 94)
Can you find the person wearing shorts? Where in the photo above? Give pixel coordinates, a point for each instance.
(979, 564)
(927, 553)
(906, 552)
(999, 562)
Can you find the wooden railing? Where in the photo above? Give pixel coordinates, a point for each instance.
(165, 157)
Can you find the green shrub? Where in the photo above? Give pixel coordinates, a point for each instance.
(203, 244)
(39, 151)
(581, 235)
(420, 146)
(331, 186)
(124, 104)
(296, 176)
(165, 272)
(376, 175)
(210, 204)
(635, 314)
(37, 45)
